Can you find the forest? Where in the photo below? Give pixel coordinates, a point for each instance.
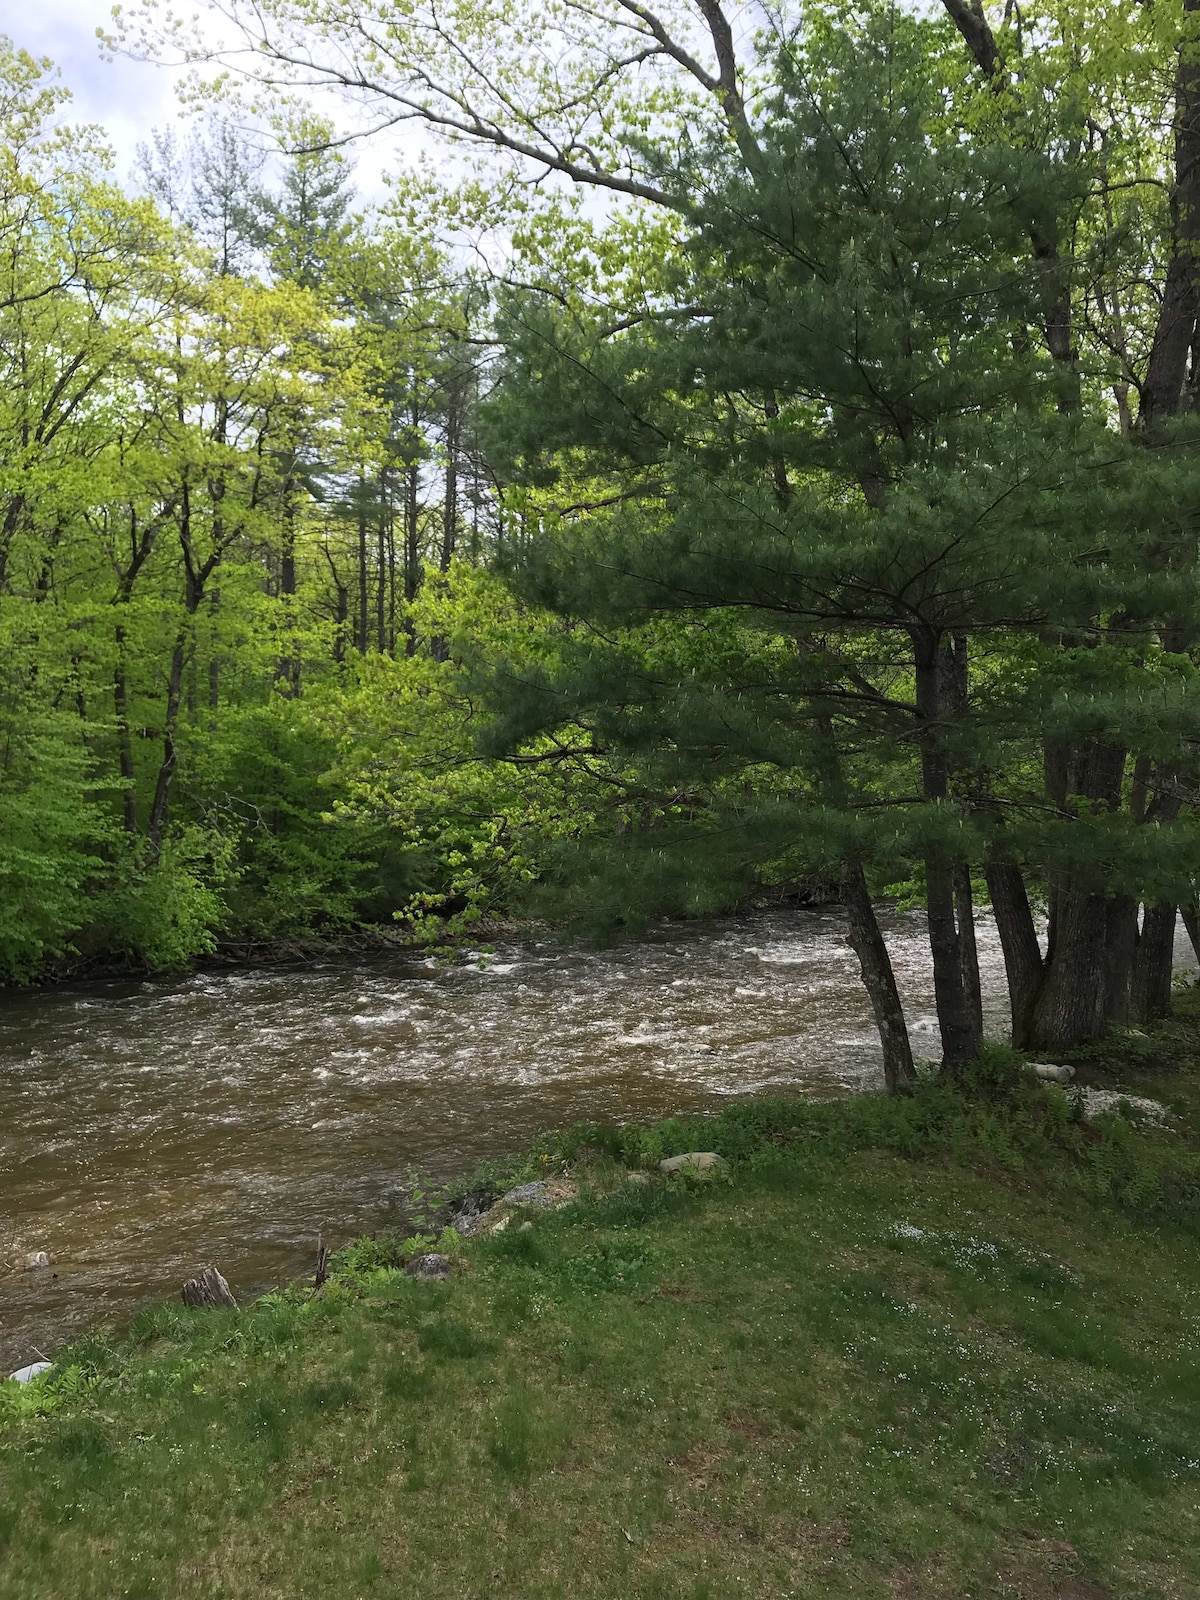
(763, 462)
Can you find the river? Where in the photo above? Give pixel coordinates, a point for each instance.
(149, 1128)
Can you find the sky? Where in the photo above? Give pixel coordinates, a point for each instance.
(128, 98)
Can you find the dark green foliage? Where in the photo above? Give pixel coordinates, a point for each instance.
(864, 560)
(301, 867)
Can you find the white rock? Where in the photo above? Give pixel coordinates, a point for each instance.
(1098, 1100)
(34, 1370)
(1049, 1073)
(695, 1163)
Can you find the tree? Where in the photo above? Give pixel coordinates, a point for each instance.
(841, 433)
(621, 99)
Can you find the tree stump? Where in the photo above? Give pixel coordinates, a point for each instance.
(208, 1290)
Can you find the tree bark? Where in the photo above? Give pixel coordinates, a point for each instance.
(964, 913)
(1121, 942)
(1019, 942)
(362, 566)
(961, 1038)
(1154, 965)
(1162, 392)
(1069, 1008)
(157, 823)
(124, 736)
(208, 1290)
(879, 980)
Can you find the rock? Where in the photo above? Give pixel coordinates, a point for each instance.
(637, 1177)
(526, 1194)
(1049, 1073)
(428, 1266)
(696, 1163)
(1096, 1101)
(208, 1290)
(34, 1370)
(36, 1261)
(469, 1210)
(545, 1192)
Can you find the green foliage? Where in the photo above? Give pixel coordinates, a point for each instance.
(52, 829)
(165, 911)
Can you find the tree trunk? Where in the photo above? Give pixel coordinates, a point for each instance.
(1121, 942)
(964, 912)
(1018, 940)
(1077, 966)
(124, 736)
(1166, 371)
(450, 507)
(412, 550)
(214, 665)
(157, 824)
(362, 566)
(1069, 1008)
(867, 942)
(287, 669)
(961, 1038)
(382, 577)
(208, 1290)
(1154, 964)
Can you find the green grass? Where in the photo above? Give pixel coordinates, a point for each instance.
(913, 1350)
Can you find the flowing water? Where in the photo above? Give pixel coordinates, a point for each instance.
(149, 1128)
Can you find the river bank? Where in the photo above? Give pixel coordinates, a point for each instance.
(233, 1116)
(930, 1348)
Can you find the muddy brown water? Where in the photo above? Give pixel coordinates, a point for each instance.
(149, 1128)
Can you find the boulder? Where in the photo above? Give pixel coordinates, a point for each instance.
(1049, 1073)
(545, 1192)
(527, 1194)
(696, 1164)
(34, 1370)
(469, 1210)
(36, 1261)
(428, 1266)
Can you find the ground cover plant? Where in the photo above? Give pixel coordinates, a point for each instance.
(929, 1345)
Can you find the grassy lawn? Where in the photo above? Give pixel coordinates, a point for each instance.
(920, 1352)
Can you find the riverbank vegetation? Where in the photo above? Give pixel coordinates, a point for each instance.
(774, 468)
(935, 1344)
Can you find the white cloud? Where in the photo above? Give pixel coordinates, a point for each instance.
(127, 98)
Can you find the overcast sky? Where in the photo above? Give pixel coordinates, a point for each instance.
(129, 98)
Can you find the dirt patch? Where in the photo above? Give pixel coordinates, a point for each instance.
(697, 1465)
(747, 1427)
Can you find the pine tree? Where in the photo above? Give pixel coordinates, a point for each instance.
(840, 433)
